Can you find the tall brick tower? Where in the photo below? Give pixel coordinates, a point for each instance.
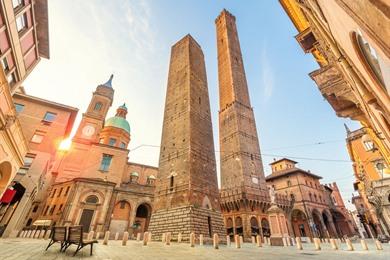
(187, 197)
(243, 187)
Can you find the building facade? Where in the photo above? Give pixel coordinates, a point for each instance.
(187, 197)
(45, 124)
(244, 194)
(19, 54)
(317, 210)
(349, 41)
(371, 175)
(94, 185)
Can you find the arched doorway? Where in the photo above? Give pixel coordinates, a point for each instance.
(265, 227)
(317, 227)
(88, 212)
(229, 228)
(327, 219)
(142, 218)
(254, 227)
(5, 175)
(300, 224)
(340, 223)
(120, 217)
(239, 228)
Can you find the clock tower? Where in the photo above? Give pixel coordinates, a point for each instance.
(93, 119)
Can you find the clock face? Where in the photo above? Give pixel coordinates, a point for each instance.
(88, 130)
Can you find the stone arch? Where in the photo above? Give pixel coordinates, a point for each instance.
(341, 223)
(239, 226)
(317, 223)
(120, 217)
(300, 224)
(255, 230)
(5, 175)
(142, 218)
(229, 227)
(265, 227)
(328, 222)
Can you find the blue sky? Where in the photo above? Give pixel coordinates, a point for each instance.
(132, 39)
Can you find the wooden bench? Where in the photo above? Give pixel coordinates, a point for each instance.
(58, 235)
(75, 237)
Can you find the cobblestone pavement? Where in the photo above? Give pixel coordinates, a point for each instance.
(35, 249)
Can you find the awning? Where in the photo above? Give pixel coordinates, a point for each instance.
(8, 196)
(42, 222)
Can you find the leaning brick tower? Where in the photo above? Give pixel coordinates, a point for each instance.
(186, 196)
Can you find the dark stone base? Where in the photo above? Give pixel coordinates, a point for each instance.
(185, 220)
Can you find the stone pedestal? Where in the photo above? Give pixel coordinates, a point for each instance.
(278, 225)
(185, 220)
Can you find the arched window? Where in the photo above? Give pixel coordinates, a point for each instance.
(98, 106)
(171, 183)
(372, 60)
(388, 198)
(311, 198)
(92, 199)
(288, 183)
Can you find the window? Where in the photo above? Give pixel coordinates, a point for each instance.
(28, 160)
(22, 171)
(10, 78)
(289, 183)
(98, 106)
(16, 3)
(101, 140)
(49, 117)
(106, 161)
(52, 210)
(122, 145)
(21, 22)
(54, 192)
(123, 204)
(315, 197)
(66, 191)
(112, 141)
(92, 199)
(311, 198)
(46, 210)
(59, 193)
(373, 61)
(60, 207)
(35, 209)
(19, 107)
(171, 183)
(37, 137)
(4, 64)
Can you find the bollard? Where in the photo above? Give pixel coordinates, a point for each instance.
(163, 237)
(138, 237)
(106, 237)
(97, 235)
(349, 244)
(20, 234)
(146, 238)
(253, 240)
(201, 240)
(378, 245)
(42, 234)
(292, 241)
(268, 241)
(227, 240)
(125, 238)
(333, 244)
(216, 241)
(317, 243)
(258, 238)
(284, 239)
(116, 235)
(241, 240)
(179, 238)
(237, 241)
(299, 243)
(90, 235)
(364, 244)
(168, 239)
(149, 236)
(288, 241)
(36, 234)
(192, 239)
(47, 235)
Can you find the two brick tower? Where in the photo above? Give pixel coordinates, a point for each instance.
(187, 198)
